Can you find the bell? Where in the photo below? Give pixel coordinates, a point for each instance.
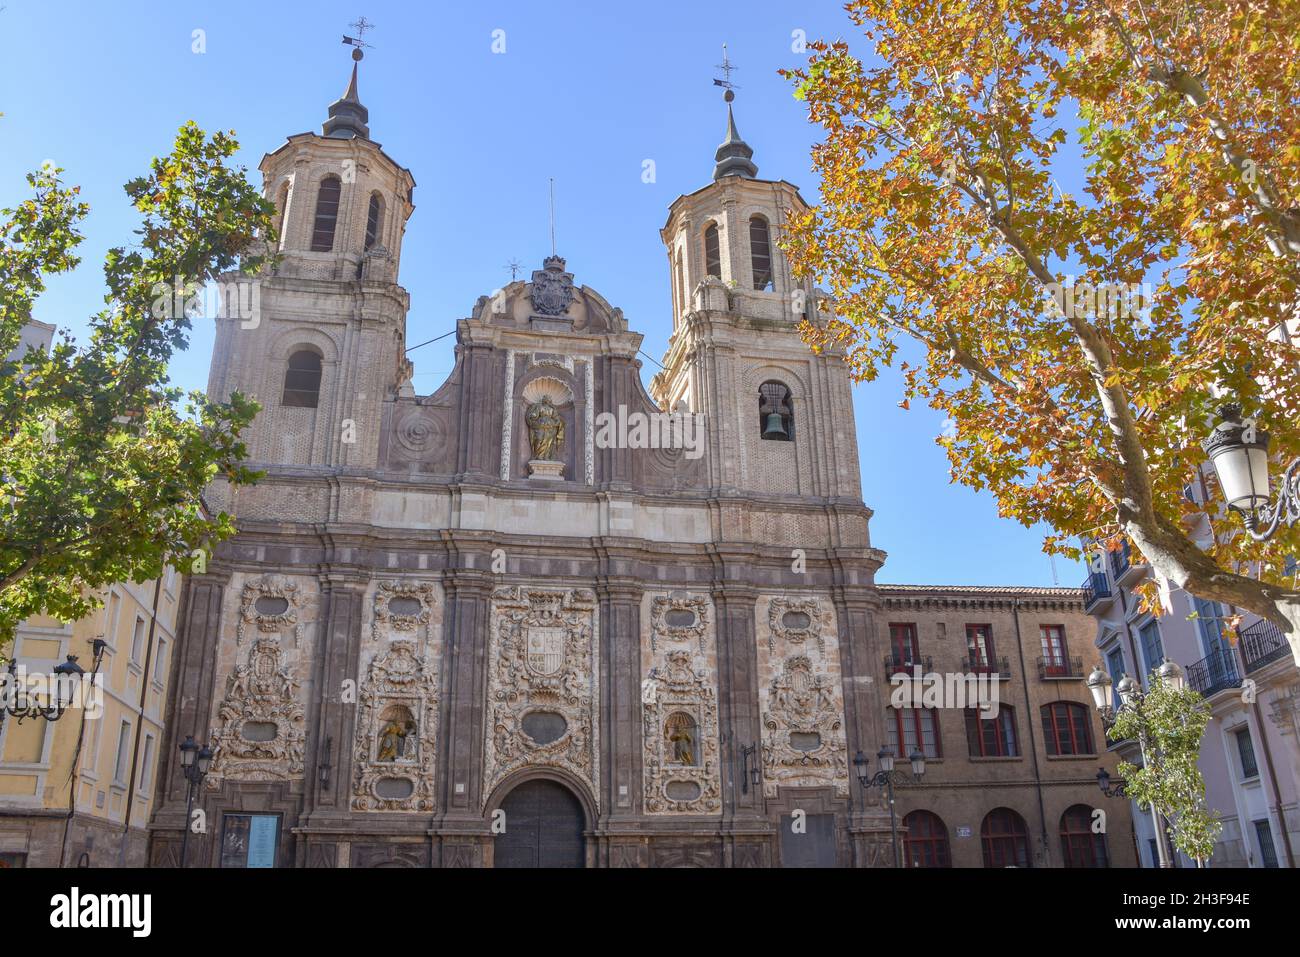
(775, 427)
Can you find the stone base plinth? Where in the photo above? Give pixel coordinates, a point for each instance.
(542, 469)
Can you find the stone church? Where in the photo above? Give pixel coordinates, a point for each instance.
(471, 628)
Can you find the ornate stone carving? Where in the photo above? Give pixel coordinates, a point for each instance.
(400, 691)
(589, 413)
(804, 742)
(802, 702)
(386, 620)
(680, 739)
(270, 587)
(552, 292)
(542, 657)
(418, 433)
(261, 731)
(795, 611)
(508, 416)
(664, 623)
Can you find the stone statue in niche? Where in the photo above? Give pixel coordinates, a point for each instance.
(545, 430)
(680, 730)
(398, 725)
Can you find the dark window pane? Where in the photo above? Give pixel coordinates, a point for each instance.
(760, 252)
(712, 254)
(327, 214)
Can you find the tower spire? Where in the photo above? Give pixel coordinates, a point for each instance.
(347, 117)
(734, 156)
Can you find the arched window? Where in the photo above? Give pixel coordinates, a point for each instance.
(1067, 728)
(1080, 846)
(1005, 839)
(760, 253)
(374, 219)
(992, 737)
(327, 214)
(926, 844)
(911, 729)
(302, 380)
(775, 412)
(712, 252)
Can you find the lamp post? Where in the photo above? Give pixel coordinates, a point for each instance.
(1131, 699)
(195, 762)
(21, 705)
(1239, 452)
(885, 778)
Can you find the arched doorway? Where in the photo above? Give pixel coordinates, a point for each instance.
(543, 827)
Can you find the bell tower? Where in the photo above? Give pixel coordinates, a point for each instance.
(327, 341)
(780, 419)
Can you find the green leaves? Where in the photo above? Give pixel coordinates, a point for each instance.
(1169, 724)
(103, 462)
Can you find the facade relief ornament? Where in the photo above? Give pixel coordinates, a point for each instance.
(795, 621)
(397, 731)
(552, 289)
(270, 604)
(261, 730)
(402, 609)
(804, 743)
(680, 738)
(542, 684)
(678, 618)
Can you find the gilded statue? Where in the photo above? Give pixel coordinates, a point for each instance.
(545, 430)
(682, 741)
(392, 740)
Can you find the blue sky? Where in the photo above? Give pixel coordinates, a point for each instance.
(584, 93)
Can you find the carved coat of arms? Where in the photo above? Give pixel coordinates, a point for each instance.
(552, 288)
(545, 649)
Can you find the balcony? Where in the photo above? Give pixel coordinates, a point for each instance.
(903, 664)
(1096, 590)
(1059, 668)
(984, 666)
(1214, 673)
(1262, 644)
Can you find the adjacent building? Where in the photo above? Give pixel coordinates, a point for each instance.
(1013, 786)
(79, 791)
(1250, 755)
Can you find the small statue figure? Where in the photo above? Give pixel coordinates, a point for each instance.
(545, 430)
(681, 739)
(392, 740)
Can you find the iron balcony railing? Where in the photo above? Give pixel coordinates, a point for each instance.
(1214, 673)
(905, 663)
(987, 666)
(1261, 644)
(1095, 588)
(1061, 666)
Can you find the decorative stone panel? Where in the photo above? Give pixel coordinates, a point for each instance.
(397, 731)
(543, 690)
(800, 696)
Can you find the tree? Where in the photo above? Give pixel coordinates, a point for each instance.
(1168, 723)
(103, 471)
(1080, 310)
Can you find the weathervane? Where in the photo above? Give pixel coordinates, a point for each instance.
(726, 67)
(514, 268)
(360, 26)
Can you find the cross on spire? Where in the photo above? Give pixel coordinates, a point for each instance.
(359, 26)
(726, 67)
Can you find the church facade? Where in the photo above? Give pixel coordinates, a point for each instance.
(542, 616)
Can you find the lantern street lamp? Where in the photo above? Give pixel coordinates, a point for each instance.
(20, 704)
(1131, 699)
(885, 778)
(195, 762)
(1239, 452)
